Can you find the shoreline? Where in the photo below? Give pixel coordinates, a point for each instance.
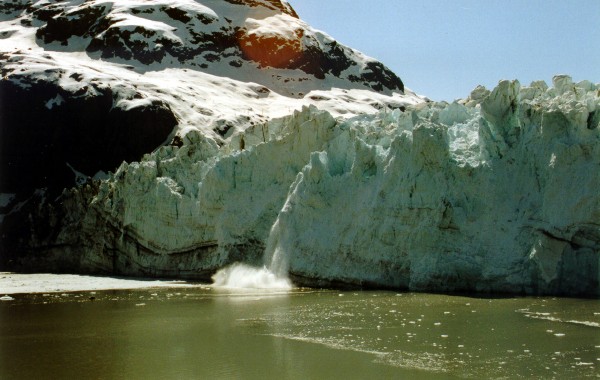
(30, 283)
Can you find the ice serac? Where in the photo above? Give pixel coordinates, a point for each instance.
(495, 193)
(499, 196)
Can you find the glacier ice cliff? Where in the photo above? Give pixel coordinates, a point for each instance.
(498, 192)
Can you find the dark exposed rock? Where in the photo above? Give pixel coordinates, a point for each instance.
(380, 77)
(45, 11)
(178, 14)
(76, 23)
(120, 43)
(39, 138)
(14, 6)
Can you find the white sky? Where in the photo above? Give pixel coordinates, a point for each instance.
(443, 49)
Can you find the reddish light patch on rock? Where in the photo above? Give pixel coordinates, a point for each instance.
(275, 51)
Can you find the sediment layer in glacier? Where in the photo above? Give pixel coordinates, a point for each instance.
(495, 193)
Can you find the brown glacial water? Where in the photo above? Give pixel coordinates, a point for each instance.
(205, 333)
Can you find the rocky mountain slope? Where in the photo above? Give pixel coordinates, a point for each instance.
(89, 84)
(364, 184)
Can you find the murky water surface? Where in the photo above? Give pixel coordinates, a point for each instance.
(302, 334)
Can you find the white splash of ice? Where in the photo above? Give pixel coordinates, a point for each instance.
(273, 275)
(242, 276)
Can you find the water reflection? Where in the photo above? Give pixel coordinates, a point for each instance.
(209, 333)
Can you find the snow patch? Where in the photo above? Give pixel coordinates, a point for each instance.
(280, 25)
(17, 283)
(56, 101)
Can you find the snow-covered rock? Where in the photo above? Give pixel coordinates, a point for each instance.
(496, 193)
(89, 84)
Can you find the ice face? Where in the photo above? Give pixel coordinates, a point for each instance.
(495, 193)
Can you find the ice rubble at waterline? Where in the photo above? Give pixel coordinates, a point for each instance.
(497, 193)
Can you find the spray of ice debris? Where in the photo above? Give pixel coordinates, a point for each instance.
(242, 276)
(273, 275)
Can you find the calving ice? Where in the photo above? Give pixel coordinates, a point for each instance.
(272, 275)
(235, 134)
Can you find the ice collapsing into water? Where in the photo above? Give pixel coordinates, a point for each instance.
(242, 276)
(273, 275)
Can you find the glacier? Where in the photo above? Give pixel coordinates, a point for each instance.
(495, 193)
